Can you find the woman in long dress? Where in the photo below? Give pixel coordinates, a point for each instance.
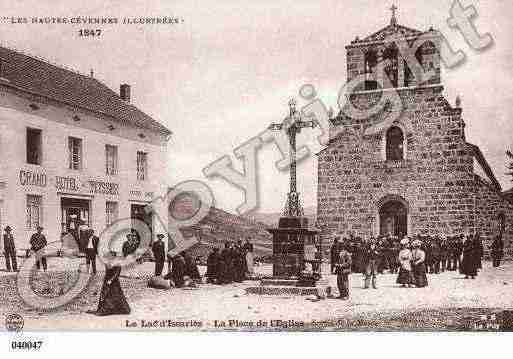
(112, 300)
(469, 263)
(405, 277)
(419, 265)
(248, 247)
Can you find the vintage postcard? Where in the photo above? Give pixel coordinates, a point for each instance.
(271, 166)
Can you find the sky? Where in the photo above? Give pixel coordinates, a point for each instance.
(229, 68)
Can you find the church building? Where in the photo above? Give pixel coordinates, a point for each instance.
(408, 168)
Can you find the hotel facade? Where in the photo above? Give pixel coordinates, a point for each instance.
(73, 153)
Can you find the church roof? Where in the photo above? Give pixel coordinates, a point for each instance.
(508, 195)
(389, 30)
(30, 75)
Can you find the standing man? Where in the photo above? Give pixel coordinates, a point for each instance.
(451, 245)
(426, 247)
(37, 245)
(444, 253)
(478, 243)
(396, 248)
(159, 253)
(497, 250)
(91, 250)
(9, 250)
(227, 259)
(84, 236)
(178, 271)
(371, 257)
(343, 269)
(212, 266)
(191, 268)
(381, 247)
(458, 250)
(239, 262)
(334, 250)
(435, 255)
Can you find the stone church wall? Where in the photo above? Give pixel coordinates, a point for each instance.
(435, 179)
(490, 206)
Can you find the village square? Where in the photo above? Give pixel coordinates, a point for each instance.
(411, 229)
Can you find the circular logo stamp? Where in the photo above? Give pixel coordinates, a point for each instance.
(14, 322)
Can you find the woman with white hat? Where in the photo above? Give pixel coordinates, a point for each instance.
(418, 265)
(405, 277)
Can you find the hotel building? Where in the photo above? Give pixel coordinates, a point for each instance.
(72, 151)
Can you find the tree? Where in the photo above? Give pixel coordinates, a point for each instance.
(509, 166)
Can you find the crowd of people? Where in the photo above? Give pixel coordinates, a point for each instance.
(234, 263)
(412, 258)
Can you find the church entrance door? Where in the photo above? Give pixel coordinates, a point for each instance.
(393, 218)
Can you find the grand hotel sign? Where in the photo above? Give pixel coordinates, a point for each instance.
(68, 184)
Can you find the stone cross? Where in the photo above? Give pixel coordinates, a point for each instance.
(393, 20)
(293, 124)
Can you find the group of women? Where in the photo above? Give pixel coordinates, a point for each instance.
(412, 270)
(412, 260)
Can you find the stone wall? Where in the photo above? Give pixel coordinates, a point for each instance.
(435, 179)
(490, 205)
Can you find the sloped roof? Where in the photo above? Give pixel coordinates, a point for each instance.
(478, 155)
(508, 195)
(390, 30)
(28, 74)
(387, 31)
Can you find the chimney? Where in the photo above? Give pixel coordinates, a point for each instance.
(124, 92)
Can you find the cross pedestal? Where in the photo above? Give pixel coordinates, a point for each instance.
(297, 251)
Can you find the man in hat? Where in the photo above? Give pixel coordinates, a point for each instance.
(370, 261)
(178, 271)
(212, 266)
(343, 269)
(444, 253)
(91, 250)
(9, 250)
(497, 250)
(334, 250)
(159, 253)
(435, 255)
(37, 245)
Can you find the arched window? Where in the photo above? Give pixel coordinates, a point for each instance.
(391, 54)
(394, 144)
(370, 64)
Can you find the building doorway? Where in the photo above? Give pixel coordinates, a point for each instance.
(393, 218)
(76, 219)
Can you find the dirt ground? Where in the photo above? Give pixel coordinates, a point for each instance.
(448, 303)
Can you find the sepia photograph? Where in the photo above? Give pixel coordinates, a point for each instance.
(274, 166)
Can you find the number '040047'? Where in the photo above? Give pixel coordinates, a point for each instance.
(89, 32)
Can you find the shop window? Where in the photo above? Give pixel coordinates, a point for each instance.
(394, 144)
(34, 211)
(111, 212)
(34, 146)
(75, 153)
(111, 160)
(142, 166)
